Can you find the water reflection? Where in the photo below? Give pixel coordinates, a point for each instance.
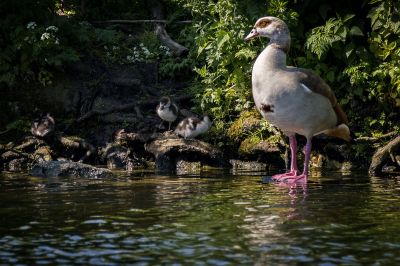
(214, 218)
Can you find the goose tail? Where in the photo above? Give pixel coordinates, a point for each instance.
(341, 131)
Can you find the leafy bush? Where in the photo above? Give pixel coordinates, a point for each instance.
(371, 73)
(35, 49)
(225, 60)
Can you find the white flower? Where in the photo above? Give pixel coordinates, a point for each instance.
(165, 49)
(31, 25)
(57, 41)
(52, 28)
(45, 36)
(130, 58)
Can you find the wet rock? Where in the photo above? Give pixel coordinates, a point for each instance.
(117, 156)
(43, 153)
(17, 165)
(264, 151)
(318, 161)
(168, 149)
(337, 152)
(185, 167)
(69, 168)
(9, 155)
(248, 165)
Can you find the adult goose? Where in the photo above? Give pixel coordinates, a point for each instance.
(295, 100)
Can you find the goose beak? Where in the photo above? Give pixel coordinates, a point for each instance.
(253, 34)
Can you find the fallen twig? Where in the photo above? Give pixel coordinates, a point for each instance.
(378, 138)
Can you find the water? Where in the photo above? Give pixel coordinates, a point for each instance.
(218, 219)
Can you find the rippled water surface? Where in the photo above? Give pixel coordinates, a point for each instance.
(219, 218)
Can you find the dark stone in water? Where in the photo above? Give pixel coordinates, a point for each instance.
(117, 156)
(185, 167)
(169, 149)
(17, 165)
(68, 168)
(267, 179)
(248, 165)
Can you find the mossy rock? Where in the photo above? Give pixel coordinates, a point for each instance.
(248, 122)
(248, 144)
(254, 145)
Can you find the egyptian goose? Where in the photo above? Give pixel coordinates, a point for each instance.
(43, 126)
(191, 127)
(295, 100)
(167, 110)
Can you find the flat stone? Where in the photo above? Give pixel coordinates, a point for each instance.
(68, 168)
(168, 149)
(17, 165)
(248, 165)
(185, 167)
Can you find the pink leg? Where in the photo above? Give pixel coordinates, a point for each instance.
(304, 175)
(293, 161)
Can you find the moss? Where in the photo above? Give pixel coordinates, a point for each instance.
(249, 121)
(248, 144)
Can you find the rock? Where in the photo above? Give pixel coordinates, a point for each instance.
(265, 147)
(69, 168)
(253, 149)
(117, 156)
(43, 153)
(10, 155)
(169, 149)
(248, 165)
(185, 167)
(17, 165)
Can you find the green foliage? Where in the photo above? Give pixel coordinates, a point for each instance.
(368, 81)
(225, 60)
(34, 50)
(357, 55)
(225, 68)
(335, 30)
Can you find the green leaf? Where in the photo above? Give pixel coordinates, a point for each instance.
(348, 17)
(392, 45)
(330, 76)
(349, 50)
(356, 31)
(342, 32)
(222, 40)
(374, 1)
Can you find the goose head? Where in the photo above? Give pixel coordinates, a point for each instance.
(273, 28)
(43, 126)
(165, 102)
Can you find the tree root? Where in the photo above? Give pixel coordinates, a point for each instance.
(382, 155)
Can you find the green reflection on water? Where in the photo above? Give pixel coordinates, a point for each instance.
(216, 219)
